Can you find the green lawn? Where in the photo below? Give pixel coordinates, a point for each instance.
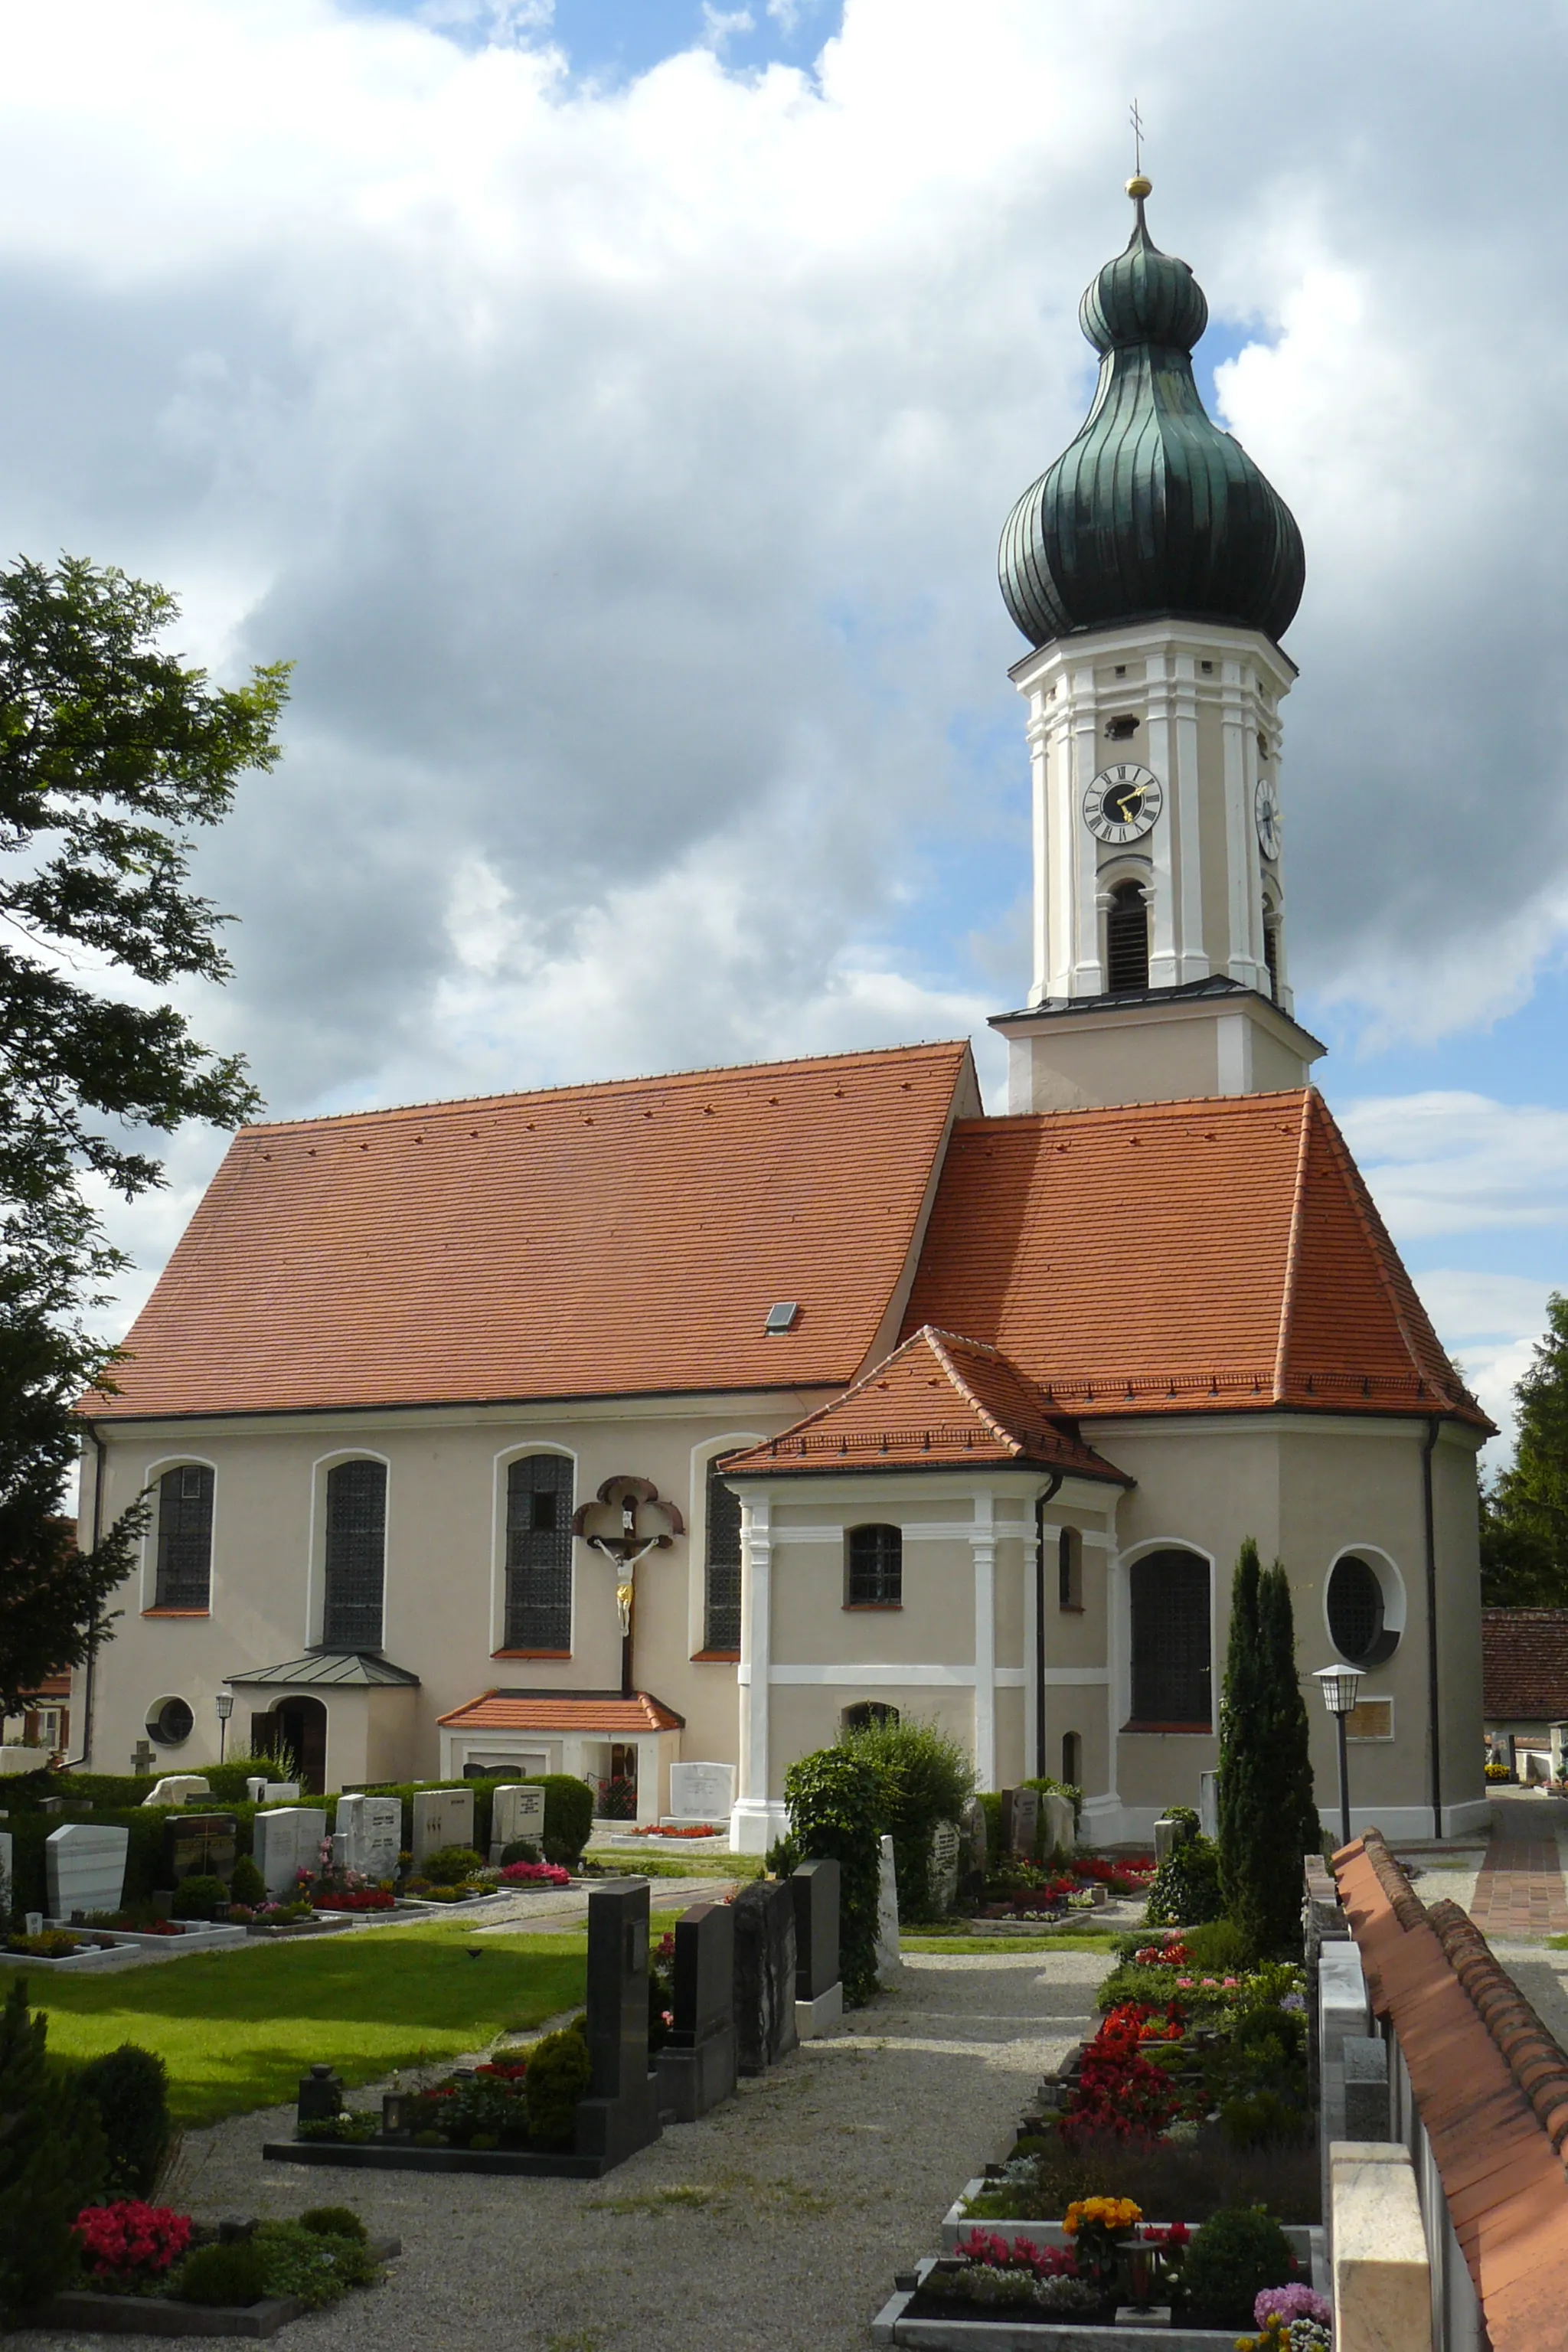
(236, 2031)
(968, 1944)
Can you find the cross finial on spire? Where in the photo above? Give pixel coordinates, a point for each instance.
(1136, 120)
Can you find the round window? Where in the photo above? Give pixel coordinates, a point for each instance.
(170, 1723)
(1356, 1613)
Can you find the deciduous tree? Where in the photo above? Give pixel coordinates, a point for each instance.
(1524, 1517)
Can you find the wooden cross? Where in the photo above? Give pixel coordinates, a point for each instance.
(142, 1756)
(1136, 120)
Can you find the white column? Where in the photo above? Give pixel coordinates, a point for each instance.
(1061, 850)
(983, 1542)
(1032, 1543)
(1163, 906)
(1039, 769)
(1088, 977)
(1192, 956)
(749, 1823)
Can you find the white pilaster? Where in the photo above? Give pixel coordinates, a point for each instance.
(1040, 775)
(1162, 898)
(1088, 978)
(755, 1823)
(1191, 961)
(983, 1544)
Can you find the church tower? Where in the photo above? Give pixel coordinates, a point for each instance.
(1153, 570)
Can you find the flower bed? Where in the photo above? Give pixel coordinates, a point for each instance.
(60, 1949)
(695, 1830)
(534, 1873)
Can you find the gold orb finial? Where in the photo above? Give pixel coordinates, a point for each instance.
(1138, 187)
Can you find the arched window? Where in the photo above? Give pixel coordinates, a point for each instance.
(721, 1567)
(184, 1537)
(539, 1553)
(1356, 1618)
(1171, 1672)
(1126, 940)
(876, 1578)
(867, 1712)
(1072, 1759)
(1069, 1569)
(355, 1568)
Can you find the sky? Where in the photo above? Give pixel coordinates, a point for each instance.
(611, 408)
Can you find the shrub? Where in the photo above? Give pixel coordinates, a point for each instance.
(1185, 1889)
(226, 2275)
(1232, 2258)
(128, 2088)
(247, 1887)
(199, 1898)
(52, 2161)
(1216, 1949)
(558, 2072)
(315, 2266)
(450, 1865)
(835, 1802)
(334, 2221)
(927, 1778)
(519, 1849)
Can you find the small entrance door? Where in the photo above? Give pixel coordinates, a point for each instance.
(303, 1729)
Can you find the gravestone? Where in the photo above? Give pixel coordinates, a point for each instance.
(517, 1814)
(370, 1830)
(287, 1841)
(7, 1880)
(946, 1849)
(972, 1830)
(1208, 1803)
(763, 1913)
(175, 1788)
(1168, 1836)
(701, 1792)
(255, 1789)
(282, 1792)
(697, 2064)
(84, 1868)
(620, 2113)
(201, 1845)
(441, 1817)
(890, 1966)
(1020, 1821)
(1061, 1826)
(816, 1888)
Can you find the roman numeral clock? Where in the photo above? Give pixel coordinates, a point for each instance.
(1124, 802)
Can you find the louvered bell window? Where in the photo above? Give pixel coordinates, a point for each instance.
(356, 1556)
(1271, 958)
(184, 1536)
(876, 1568)
(1171, 1668)
(539, 1553)
(721, 1621)
(1126, 940)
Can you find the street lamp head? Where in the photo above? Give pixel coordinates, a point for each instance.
(1339, 1685)
(223, 1703)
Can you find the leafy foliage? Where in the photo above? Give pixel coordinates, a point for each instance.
(200, 1898)
(316, 2267)
(926, 1778)
(128, 2088)
(450, 1865)
(52, 2161)
(558, 2075)
(836, 1800)
(111, 753)
(225, 2274)
(1234, 2255)
(248, 1885)
(1185, 1891)
(1524, 1517)
(1266, 1816)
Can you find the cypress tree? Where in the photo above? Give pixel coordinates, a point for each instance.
(1267, 1817)
(1246, 1825)
(1298, 1829)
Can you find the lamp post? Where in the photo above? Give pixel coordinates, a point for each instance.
(223, 1703)
(1339, 1685)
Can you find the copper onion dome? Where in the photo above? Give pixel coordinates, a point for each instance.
(1151, 510)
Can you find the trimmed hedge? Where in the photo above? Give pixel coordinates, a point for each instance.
(568, 1806)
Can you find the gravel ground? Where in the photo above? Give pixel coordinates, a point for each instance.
(774, 2225)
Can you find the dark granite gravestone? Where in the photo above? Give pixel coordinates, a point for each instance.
(620, 2113)
(765, 1975)
(819, 1987)
(1020, 1820)
(198, 1845)
(697, 2064)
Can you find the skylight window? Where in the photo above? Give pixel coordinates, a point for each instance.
(781, 1316)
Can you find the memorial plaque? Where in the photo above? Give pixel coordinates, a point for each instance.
(620, 2113)
(441, 1817)
(702, 1792)
(517, 1816)
(946, 1848)
(889, 1964)
(371, 1830)
(765, 1965)
(697, 2064)
(287, 1841)
(1020, 1821)
(84, 1868)
(201, 1845)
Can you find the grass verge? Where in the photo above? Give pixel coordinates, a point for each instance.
(962, 1944)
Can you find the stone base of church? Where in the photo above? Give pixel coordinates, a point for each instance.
(755, 1826)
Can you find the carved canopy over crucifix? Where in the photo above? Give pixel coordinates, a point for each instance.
(626, 1521)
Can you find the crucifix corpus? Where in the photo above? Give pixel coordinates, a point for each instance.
(626, 1521)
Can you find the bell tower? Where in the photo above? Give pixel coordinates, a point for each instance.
(1153, 570)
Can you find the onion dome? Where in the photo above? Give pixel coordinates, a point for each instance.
(1152, 510)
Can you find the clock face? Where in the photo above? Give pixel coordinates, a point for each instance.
(1124, 802)
(1265, 810)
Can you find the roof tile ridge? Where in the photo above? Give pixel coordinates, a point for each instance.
(1004, 1435)
(1293, 1252)
(1378, 1239)
(808, 1420)
(1532, 2053)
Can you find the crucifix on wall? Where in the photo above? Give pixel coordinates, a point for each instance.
(623, 1523)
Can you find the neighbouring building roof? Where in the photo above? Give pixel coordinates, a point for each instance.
(1181, 1256)
(604, 1714)
(1524, 1665)
(1492, 2084)
(591, 1241)
(939, 1402)
(339, 1669)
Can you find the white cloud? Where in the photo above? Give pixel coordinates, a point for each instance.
(1456, 1163)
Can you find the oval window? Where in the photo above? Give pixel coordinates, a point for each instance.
(1356, 1613)
(170, 1723)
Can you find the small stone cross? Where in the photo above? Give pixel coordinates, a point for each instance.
(142, 1756)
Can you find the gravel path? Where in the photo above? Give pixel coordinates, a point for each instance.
(774, 2225)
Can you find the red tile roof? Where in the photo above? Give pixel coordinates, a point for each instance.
(1492, 2084)
(938, 1402)
(1524, 1665)
(601, 1713)
(1170, 1257)
(593, 1240)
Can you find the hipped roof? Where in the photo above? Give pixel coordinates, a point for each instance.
(602, 1713)
(1524, 1665)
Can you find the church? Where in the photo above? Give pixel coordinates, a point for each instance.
(677, 1420)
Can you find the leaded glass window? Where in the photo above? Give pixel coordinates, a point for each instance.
(1171, 1669)
(539, 1553)
(722, 1620)
(876, 1568)
(356, 1556)
(184, 1536)
(1356, 1613)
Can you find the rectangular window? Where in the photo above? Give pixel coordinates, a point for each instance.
(876, 1578)
(722, 1599)
(355, 1569)
(1069, 1569)
(184, 1537)
(1171, 1672)
(539, 1553)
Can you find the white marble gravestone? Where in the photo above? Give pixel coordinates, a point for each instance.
(282, 1792)
(287, 1841)
(972, 1830)
(890, 1966)
(946, 1853)
(84, 1868)
(1061, 1836)
(176, 1788)
(1208, 1803)
(441, 1817)
(370, 1832)
(517, 1811)
(702, 1792)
